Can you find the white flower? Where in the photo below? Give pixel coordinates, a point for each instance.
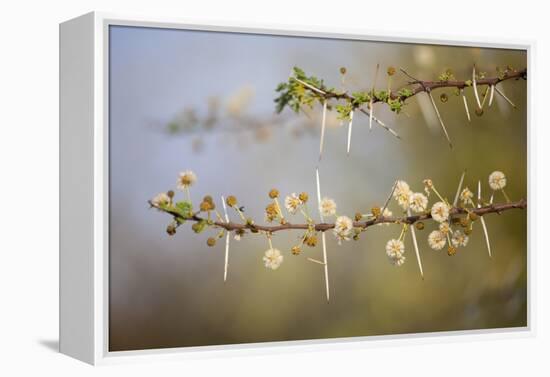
(466, 196)
(237, 237)
(444, 227)
(395, 250)
(292, 202)
(342, 228)
(437, 240)
(402, 194)
(160, 200)
(187, 178)
(440, 212)
(327, 207)
(273, 259)
(459, 238)
(428, 185)
(497, 180)
(418, 202)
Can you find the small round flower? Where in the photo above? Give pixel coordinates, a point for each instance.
(231, 201)
(395, 250)
(466, 196)
(437, 240)
(311, 241)
(211, 241)
(160, 200)
(451, 250)
(402, 194)
(271, 212)
(418, 202)
(303, 197)
(445, 227)
(342, 228)
(327, 207)
(440, 212)
(428, 185)
(296, 250)
(459, 239)
(497, 180)
(274, 193)
(171, 229)
(376, 211)
(391, 71)
(419, 225)
(272, 259)
(292, 202)
(473, 216)
(187, 178)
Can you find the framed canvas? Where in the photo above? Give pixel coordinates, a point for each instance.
(249, 189)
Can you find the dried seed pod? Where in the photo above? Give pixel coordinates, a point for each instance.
(419, 225)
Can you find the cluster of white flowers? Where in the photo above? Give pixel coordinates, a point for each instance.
(186, 179)
(273, 259)
(440, 212)
(466, 197)
(497, 180)
(395, 250)
(343, 228)
(406, 198)
(437, 240)
(402, 193)
(418, 202)
(292, 203)
(327, 207)
(459, 239)
(160, 200)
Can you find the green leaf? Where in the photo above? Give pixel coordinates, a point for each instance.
(184, 209)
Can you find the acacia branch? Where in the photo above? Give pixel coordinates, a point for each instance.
(322, 227)
(427, 86)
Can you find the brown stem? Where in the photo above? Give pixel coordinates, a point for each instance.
(322, 227)
(426, 86)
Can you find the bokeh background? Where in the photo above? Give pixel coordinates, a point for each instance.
(204, 101)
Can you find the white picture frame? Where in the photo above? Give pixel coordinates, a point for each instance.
(84, 156)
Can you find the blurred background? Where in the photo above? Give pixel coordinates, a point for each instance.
(204, 101)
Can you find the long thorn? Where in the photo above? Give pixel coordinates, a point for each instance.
(389, 198)
(371, 102)
(226, 241)
(485, 232)
(323, 233)
(349, 130)
(457, 195)
(440, 120)
(506, 98)
(323, 124)
(309, 85)
(492, 95)
(413, 234)
(474, 81)
(465, 105)
(380, 123)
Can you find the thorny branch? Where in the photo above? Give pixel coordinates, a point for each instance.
(322, 227)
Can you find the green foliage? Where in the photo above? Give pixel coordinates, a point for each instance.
(381, 95)
(344, 111)
(360, 98)
(199, 226)
(396, 105)
(295, 94)
(448, 75)
(184, 209)
(405, 93)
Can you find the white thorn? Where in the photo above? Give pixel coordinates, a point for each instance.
(506, 98)
(350, 125)
(323, 233)
(226, 241)
(413, 234)
(485, 232)
(455, 202)
(465, 105)
(439, 118)
(371, 113)
(492, 95)
(323, 124)
(474, 81)
(308, 85)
